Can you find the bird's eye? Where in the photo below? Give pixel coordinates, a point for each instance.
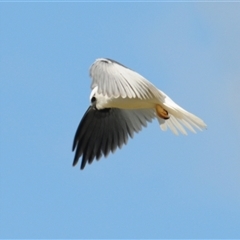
(93, 100)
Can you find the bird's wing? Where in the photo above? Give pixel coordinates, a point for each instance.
(102, 131)
(115, 80)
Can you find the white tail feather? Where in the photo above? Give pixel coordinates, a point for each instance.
(179, 118)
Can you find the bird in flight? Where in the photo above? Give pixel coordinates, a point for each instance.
(122, 102)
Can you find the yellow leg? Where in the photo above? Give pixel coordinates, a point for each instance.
(161, 112)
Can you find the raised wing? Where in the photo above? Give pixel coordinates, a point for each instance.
(102, 131)
(115, 80)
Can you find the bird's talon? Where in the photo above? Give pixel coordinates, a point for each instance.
(161, 112)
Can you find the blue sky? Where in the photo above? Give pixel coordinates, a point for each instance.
(159, 185)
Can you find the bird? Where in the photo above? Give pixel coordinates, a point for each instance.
(122, 103)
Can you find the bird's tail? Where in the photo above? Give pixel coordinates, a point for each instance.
(179, 118)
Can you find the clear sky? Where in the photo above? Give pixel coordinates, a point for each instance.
(159, 185)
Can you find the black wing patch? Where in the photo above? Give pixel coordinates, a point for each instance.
(102, 131)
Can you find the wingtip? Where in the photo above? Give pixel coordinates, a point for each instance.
(83, 164)
(75, 141)
(73, 146)
(81, 168)
(74, 163)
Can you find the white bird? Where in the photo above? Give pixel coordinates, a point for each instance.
(122, 101)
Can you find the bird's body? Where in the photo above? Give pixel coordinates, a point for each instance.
(122, 101)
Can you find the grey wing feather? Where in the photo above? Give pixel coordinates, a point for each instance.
(102, 131)
(114, 80)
